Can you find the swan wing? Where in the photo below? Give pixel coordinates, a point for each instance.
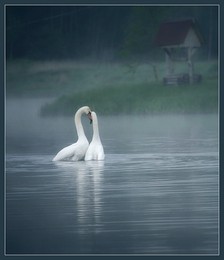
(100, 153)
(65, 153)
(95, 152)
(74, 152)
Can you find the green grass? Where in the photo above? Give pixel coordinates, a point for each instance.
(112, 88)
(140, 99)
(54, 78)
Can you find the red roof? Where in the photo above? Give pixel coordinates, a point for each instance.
(175, 32)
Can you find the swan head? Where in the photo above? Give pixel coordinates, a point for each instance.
(87, 111)
(90, 117)
(93, 116)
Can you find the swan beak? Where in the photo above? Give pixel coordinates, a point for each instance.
(90, 117)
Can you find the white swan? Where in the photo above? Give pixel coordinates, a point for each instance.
(76, 151)
(95, 150)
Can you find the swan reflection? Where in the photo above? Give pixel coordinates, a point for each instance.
(84, 179)
(88, 194)
(96, 170)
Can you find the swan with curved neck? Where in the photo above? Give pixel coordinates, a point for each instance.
(76, 151)
(95, 150)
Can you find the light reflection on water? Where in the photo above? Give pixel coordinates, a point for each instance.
(155, 193)
(126, 204)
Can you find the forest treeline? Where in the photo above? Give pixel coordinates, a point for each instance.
(103, 32)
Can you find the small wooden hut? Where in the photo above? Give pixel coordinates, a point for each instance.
(179, 39)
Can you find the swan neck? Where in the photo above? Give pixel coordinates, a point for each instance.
(96, 135)
(78, 123)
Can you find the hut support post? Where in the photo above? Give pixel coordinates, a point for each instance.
(190, 65)
(169, 63)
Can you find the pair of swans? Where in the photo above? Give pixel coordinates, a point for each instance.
(82, 150)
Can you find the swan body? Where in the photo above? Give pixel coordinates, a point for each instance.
(76, 151)
(95, 150)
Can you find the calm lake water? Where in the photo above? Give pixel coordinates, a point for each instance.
(157, 192)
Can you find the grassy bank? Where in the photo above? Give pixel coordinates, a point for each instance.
(55, 78)
(140, 99)
(112, 88)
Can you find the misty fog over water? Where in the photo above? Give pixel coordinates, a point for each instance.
(155, 193)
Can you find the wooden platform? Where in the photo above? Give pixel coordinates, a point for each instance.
(181, 79)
